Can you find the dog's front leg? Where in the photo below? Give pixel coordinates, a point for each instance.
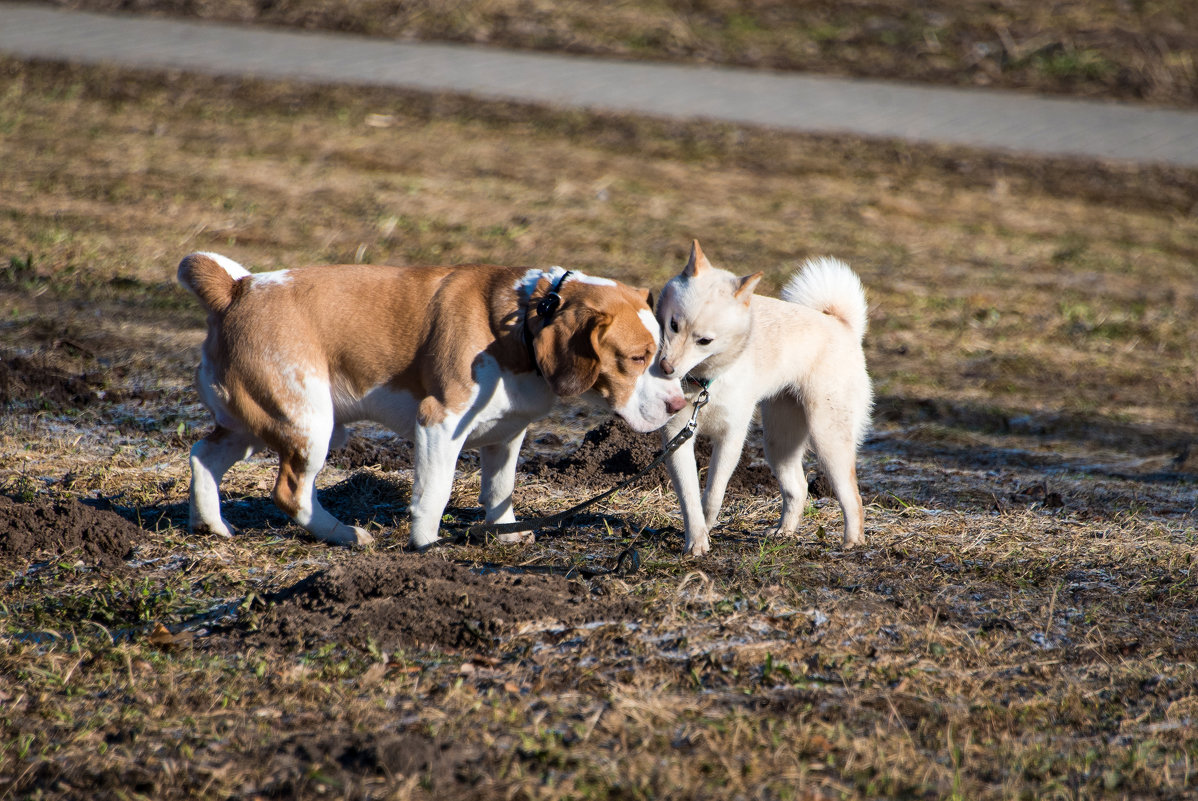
(725, 454)
(435, 456)
(498, 463)
(684, 475)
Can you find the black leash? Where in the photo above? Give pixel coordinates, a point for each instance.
(628, 561)
(556, 520)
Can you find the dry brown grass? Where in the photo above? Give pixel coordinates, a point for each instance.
(1022, 624)
(1098, 48)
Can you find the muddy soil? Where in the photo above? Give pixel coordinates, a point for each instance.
(52, 379)
(44, 528)
(608, 454)
(612, 452)
(36, 380)
(391, 454)
(400, 600)
(444, 765)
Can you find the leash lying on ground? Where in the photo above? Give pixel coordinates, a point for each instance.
(627, 562)
(556, 520)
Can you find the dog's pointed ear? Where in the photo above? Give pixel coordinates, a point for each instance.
(745, 287)
(650, 300)
(697, 262)
(566, 351)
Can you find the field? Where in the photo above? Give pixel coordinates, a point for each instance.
(1023, 622)
(1141, 50)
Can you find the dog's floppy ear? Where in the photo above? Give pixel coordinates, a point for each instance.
(697, 263)
(567, 351)
(745, 287)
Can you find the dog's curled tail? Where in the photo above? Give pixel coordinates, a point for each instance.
(212, 278)
(830, 286)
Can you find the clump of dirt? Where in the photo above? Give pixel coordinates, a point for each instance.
(608, 454)
(612, 452)
(390, 455)
(23, 379)
(413, 600)
(443, 764)
(52, 528)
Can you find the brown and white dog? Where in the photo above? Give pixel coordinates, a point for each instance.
(447, 357)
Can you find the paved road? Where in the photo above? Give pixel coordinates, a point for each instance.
(972, 117)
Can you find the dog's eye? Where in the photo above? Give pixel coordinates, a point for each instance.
(674, 325)
(704, 341)
(639, 359)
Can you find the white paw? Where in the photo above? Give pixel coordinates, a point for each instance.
(221, 529)
(518, 537)
(351, 536)
(422, 542)
(699, 546)
(779, 530)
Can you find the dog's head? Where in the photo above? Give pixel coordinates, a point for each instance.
(704, 315)
(601, 337)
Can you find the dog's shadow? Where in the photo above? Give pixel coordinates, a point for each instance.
(368, 497)
(373, 501)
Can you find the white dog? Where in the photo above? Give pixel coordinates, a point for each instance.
(447, 357)
(800, 358)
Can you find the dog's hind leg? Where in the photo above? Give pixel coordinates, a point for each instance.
(837, 452)
(211, 458)
(300, 459)
(784, 425)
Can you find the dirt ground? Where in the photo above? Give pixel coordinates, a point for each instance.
(772, 632)
(46, 530)
(1022, 622)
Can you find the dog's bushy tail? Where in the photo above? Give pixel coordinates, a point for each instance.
(212, 278)
(830, 286)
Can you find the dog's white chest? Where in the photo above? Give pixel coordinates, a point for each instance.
(503, 403)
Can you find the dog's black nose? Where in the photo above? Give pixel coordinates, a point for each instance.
(666, 367)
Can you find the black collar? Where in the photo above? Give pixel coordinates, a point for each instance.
(546, 308)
